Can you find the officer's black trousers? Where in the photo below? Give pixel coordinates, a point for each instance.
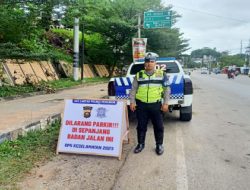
(144, 112)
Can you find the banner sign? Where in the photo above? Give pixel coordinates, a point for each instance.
(93, 127)
(139, 48)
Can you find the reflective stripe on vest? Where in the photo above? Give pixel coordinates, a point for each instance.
(149, 87)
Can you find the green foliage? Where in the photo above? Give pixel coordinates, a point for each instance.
(34, 45)
(69, 82)
(199, 53)
(230, 60)
(109, 29)
(98, 50)
(19, 156)
(14, 24)
(57, 54)
(51, 86)
(43, 52)
(6, 91)
(66, 34)
(111, 26)
(222, 58)
(168, 43)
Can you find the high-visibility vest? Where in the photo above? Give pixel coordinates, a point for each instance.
(150, 88)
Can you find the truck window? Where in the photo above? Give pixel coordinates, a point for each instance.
(168, 67)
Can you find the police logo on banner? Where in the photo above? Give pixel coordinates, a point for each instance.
(87, 111)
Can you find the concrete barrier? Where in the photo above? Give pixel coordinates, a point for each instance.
(101, 70)
(22, 71)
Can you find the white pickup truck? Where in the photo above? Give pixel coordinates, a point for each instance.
(181, 86)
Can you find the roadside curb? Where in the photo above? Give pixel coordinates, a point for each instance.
(44, 92)
(41, 124)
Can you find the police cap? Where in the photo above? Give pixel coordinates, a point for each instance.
(150, 57)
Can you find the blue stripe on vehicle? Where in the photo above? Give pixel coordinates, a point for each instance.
(175, 77)
(122, 82)
(129, 82)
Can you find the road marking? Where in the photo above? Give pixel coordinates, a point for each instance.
(181, 169)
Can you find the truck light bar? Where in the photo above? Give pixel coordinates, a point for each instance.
(159, 59)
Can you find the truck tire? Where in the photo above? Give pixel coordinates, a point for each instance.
(186, 113)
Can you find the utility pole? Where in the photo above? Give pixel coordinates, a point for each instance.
(241, 48)
(139, 25)
(248, 49)
(248, 54)
(82, 56)
(76, 49)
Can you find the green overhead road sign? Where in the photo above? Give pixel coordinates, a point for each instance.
(157, 19)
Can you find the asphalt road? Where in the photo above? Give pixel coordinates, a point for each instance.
(211, 152)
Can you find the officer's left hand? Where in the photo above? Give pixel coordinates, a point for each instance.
(164, 107)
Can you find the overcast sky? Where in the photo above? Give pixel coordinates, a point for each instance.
(214, 23)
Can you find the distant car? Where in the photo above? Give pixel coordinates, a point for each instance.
(249, 73)
(204, 70)
(217, 71)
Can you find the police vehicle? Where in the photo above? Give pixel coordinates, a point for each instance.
(181, 85)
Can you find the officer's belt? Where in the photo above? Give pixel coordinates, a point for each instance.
(158, 101)
(149, 82)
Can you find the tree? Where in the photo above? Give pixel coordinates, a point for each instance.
(15, 24)
(115, 21)
(166, 42)
(109, 26)
(199, 53)
(229, 60)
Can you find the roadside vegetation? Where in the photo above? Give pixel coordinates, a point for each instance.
(35, 31)
(216, 59)
(49, 87)
(20, 156)
(29, 30)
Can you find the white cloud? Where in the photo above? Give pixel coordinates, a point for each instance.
(209, 23)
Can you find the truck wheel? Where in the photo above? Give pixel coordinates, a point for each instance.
(186, 113)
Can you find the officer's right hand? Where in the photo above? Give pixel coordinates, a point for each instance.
(132, 107)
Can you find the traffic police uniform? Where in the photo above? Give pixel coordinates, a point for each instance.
(147, 92)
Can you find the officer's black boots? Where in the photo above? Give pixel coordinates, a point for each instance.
(139, 148)
(159, 149)
(141, 139)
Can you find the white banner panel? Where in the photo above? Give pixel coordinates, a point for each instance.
(93, 127)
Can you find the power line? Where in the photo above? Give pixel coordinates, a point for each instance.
(212, 14)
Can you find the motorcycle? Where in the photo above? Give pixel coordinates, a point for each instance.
(230, 75)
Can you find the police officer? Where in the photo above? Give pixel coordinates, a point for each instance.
(148, 89)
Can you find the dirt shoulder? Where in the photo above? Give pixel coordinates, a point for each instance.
(68, 171)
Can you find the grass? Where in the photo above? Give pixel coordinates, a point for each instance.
(7, 91)
(20, 156)
(65, 83)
